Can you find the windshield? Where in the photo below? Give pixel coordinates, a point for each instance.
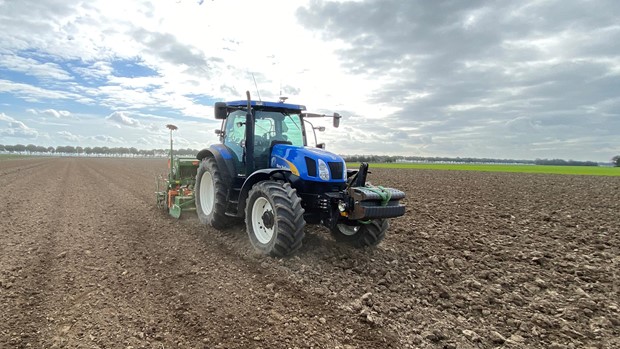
(276, 126)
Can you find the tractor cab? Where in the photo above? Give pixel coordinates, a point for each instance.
(273, 125)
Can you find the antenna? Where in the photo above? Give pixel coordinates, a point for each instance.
(255, 85)
(171, 127)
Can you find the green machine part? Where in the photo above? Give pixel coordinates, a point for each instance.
(183, 178)
(184, 171)
(175, 211)
(179, 186)
(182, 203)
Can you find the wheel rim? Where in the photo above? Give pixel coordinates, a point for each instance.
(348, 230)
(207, 193)
(263, 221)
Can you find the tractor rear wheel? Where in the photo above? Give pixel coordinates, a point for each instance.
(363, 235)
(210, 191)
(274, 218)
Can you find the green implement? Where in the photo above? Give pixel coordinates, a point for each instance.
(176, 192)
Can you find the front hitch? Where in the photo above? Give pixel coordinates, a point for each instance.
(364, 201)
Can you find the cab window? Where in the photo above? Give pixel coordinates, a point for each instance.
(234, 137)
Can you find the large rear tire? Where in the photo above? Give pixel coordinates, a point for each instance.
(274, 218)
(362, 235)
(210, 191)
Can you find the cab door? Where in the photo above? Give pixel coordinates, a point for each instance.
(234, 138)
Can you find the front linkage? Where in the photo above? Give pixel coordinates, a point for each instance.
(361, 202)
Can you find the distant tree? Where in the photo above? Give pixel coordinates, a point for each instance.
(51, 150)
(69, 149)
(79, 149)
(616, 160)
(560, 162)
(19, 148)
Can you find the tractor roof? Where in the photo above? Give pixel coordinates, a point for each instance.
(268, 105)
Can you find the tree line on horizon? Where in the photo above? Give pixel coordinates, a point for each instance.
(400, 158)
(124, 151)
(102, 151)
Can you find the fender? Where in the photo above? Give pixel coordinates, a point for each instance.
(222, 157)
(257, 176)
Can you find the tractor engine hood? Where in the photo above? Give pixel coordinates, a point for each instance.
(311, 164)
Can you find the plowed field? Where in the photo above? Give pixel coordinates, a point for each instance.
(481, 260)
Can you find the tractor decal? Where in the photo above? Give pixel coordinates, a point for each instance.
(281, 162)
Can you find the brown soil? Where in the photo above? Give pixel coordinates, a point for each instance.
(481, 260)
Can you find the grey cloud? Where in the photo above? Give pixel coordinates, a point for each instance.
(121, 118)
(58, 114)
(40, 14)
(33, 93)
(105, 139)
(475, 72)
(66, 135)
(167, 47)
(32, 67)
(230, 90)
(289, 90)
(9, 127)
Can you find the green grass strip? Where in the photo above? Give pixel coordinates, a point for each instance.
(11, 156)
(565, 170)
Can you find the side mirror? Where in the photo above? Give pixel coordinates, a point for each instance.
(337, 120)
(321, 145)
(219, 132)
(320, 128)
(220, 110)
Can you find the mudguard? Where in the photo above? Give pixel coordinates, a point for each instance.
(257, 176)
(222, 157)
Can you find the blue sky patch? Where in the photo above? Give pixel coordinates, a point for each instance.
(18, 77)
(132, 69)
(203, 99)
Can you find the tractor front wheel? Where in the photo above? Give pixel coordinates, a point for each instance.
(274, 218)
(210, 191)
(363, 235)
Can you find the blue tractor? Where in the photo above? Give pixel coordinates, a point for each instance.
(264, 171)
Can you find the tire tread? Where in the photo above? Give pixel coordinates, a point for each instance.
(289, 217)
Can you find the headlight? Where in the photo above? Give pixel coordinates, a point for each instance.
(323, 170)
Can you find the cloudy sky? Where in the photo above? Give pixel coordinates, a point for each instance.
(501, 79)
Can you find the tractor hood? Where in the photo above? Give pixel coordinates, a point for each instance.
(312, 164)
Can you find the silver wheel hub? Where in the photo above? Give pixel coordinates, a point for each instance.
(348, 230)
(263, 220)
(207, 193)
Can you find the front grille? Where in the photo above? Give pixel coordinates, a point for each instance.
(336, 169)
(311, 166)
